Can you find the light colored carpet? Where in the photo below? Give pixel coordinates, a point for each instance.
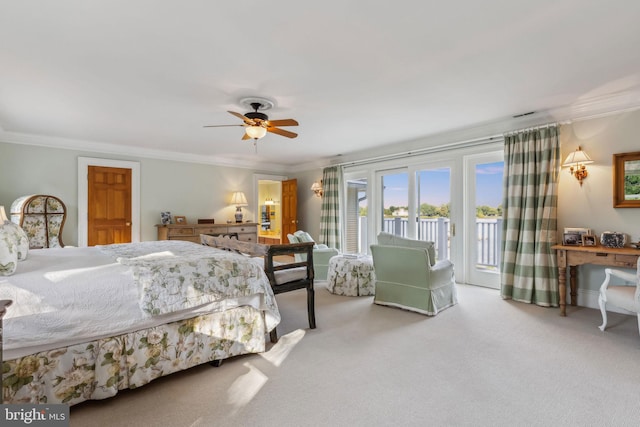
(483, 362)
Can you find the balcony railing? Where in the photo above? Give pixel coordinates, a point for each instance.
(438, 230)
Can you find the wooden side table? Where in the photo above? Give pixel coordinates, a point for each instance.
(573, 256)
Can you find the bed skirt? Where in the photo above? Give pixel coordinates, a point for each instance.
(99, 369)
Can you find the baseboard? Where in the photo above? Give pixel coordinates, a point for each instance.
(589, 298)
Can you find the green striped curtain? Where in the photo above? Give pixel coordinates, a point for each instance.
(330, 211)
(528, 270)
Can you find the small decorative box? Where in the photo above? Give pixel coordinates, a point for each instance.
(612, 239)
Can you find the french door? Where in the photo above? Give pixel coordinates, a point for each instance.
(453, 199)
(483, 218)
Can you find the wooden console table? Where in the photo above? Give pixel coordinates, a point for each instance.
(247, 231)
(573, 256)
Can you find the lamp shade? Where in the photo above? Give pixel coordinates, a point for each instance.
(577, 157)
(238, 199)
(256, 132)
(316, 187)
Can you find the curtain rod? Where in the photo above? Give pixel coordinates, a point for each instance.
(450, 146)
(544, 126)
(435, 149)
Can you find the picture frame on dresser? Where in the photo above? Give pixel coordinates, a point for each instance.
(572, 239)
(165, 218)
(179, 219)
(589, 240)
(626, 180)
(577, 230)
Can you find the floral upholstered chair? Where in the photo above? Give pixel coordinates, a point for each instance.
(42, 217)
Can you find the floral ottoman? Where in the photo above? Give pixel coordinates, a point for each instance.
(351, 275)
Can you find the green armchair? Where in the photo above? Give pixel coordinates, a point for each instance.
(321, 254)
(408, 277)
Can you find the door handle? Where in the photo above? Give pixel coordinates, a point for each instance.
(128, 224)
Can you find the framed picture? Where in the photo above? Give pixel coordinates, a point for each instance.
(180, 219)
(589, 240)
(577, 230)
(165, 218)
(572, 239)
(626, 180)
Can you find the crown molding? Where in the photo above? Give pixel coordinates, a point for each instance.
(130, 151)
(600, 106)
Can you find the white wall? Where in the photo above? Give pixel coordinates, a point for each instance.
(591, 205)
(189, 189)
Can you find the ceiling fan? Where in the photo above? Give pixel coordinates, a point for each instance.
(257, 124)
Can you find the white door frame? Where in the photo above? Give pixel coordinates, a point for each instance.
(83, 194)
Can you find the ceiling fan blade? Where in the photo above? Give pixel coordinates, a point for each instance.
(238, 115)
(282, 132)
(245, 119)
(220, 126)
(283, 122)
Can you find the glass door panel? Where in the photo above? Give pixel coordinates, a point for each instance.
(433, 209)
(395, 203)
(484, 224)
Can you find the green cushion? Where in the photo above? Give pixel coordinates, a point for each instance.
(393, 240)
(303, 236)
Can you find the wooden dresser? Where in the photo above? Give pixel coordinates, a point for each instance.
(247, 231)
(269, 239)
(573, 256)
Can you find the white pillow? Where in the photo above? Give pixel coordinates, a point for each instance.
(21, 239)
(8, 251)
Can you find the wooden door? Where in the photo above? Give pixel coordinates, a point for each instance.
(109, 210)
(289, 207)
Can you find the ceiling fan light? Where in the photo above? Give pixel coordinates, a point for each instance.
(256, 132)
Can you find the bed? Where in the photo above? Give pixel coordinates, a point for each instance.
(88, 322)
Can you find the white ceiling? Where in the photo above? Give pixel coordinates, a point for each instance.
(149, 74)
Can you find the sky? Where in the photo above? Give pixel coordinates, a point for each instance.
(435, 186)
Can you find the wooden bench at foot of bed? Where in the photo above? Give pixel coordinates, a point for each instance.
(276, 271)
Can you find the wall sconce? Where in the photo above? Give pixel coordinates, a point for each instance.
(238, 199)
(316, 187)
(575, 162)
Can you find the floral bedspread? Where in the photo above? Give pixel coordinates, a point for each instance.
(176, 275)
(100, 368)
